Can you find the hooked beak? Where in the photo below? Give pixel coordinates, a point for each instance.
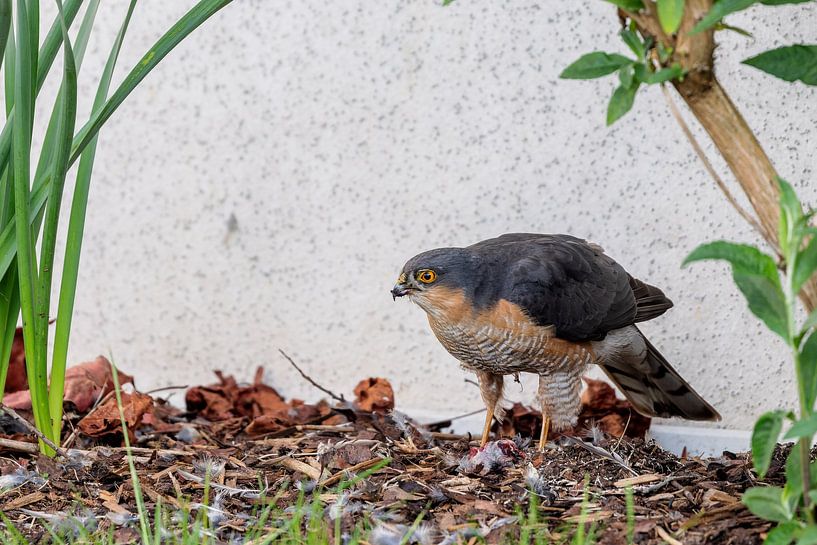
(401, 288)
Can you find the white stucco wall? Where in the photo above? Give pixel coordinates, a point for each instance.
(264, 186)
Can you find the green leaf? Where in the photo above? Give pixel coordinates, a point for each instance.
(756, 276)
(791, 214)
(789, 63)
(664, 52)
(645, 75)
(808, 536)
(626, 75)
(620, 103)
(764, 439)
(67, 107)
(793, 489)
(743, 257)
(806, 265)
(628, 5)
(811, 321)
(767, 503)
(766, 301)
(670, 13)
(76, 227)
(190, 21)
(782, 534)
(802, 428)
(720, 10)
(447, 2)
(630, 37)
(808, 367)
(5, 26)
(736, 30)
(595, 65)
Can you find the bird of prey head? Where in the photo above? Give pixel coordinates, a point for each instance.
(435, 271)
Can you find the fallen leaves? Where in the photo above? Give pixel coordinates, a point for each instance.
(266, 410)
(374, 395)
(85, 384)
(105, 420)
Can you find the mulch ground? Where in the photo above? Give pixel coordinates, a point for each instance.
(256, 446)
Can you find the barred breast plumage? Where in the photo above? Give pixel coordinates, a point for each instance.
(501, 339)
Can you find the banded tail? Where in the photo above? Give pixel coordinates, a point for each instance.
(654, 388)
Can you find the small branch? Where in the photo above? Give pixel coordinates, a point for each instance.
(11, 412)
(708, 166)
(18, 446)
(309, 379)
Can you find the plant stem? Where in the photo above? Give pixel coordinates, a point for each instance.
(804, 443)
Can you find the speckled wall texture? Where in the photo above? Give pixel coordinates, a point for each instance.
(264, 186)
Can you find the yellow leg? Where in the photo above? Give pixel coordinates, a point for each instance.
(486, 431)
(543, 438)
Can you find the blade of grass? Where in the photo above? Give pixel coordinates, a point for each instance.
(76, 229)
(67, 106)
(21, 156)
(144, 522)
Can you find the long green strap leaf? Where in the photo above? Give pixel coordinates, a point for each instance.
(5, 26)
(178, 32)
(21, 137)
(48, 147)
(46, 56)
(67, 107)
(76, 228)
(200, 13)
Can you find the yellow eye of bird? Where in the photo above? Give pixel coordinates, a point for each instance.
(426, 276)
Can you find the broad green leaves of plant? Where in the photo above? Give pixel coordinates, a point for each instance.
(722, 8)
(768, 503)
(783, 534)
(670, 13)
(595, 65)
(621, 102)
(802, 428)
(789, 63)
(756, 276)
(764, 438)
(631, 72)
(793, 489)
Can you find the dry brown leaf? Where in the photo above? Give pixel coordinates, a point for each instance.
(374, 395)
(85, 384)
(105, 420)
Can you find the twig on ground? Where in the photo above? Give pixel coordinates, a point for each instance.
(40, 435)
(18, 446)
(309, 379)
(164, 388)
(446, 422)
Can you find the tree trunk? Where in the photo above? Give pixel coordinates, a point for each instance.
(716, 113)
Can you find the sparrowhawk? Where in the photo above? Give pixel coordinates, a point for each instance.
(549, 305)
